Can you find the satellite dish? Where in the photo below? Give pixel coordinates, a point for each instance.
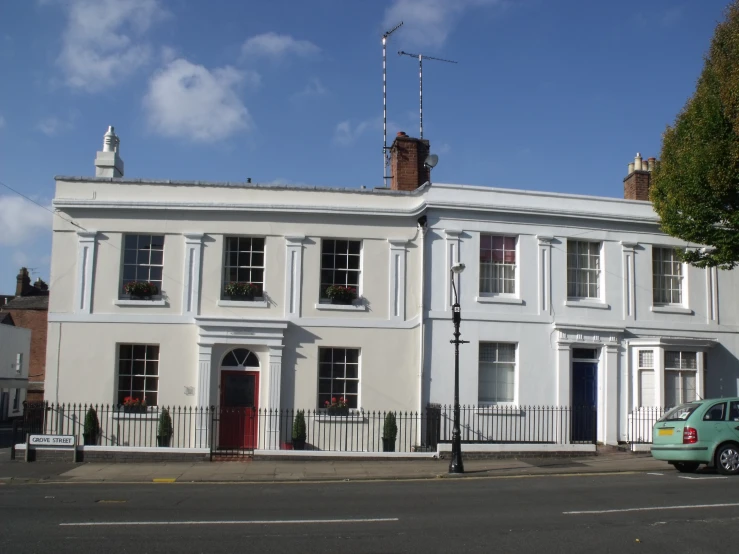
(431, 161)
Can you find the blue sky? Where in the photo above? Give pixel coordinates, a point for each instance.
(555, 96)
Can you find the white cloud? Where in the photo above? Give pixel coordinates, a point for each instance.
(313, 88)
(189, 101)
(346, 133)
(51, 126)
(272, 45)
(20, 220)
(103, 41)
(427, 23)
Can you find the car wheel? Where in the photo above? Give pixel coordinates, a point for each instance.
(686, 467)
(727, 459)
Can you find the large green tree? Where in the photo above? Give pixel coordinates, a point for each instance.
(695, 188)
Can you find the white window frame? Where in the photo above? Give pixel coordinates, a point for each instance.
(680, 277)
(358, 379)
(641, 368)
(680, 372)
(323, 299)
(225, 267)
(141, 394)
(599, 272)
(124, 280)
(514, 401)
(502, 265)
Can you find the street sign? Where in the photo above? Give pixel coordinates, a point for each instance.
(52, 440)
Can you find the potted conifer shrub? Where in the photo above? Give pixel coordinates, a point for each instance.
(164, 432)
(389, 432)
(299, 431)
(91, 430)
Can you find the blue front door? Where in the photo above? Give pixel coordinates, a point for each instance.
(584, 401)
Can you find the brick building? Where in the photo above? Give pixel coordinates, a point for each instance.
(28, 310)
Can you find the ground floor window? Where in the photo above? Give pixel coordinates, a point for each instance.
(17, 400)
(680, 377)
(497, 372)
(138, 373)
(338, 376)
(646, 378)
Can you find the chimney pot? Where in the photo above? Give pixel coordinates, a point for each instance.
(108, 162)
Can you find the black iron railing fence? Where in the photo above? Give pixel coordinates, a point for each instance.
(236, 430)
(640, 423)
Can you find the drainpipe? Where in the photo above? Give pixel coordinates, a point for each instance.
(423, 227)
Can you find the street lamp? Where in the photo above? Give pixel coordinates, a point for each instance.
(456, 466)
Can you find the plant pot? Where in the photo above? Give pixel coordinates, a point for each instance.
(163, 441)
(141, 297)
(89, 439)
(134, 409)
(338, 411)
(242, 297)
(342, 301)
(388, 445)
(298, 444)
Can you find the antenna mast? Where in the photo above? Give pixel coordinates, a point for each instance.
(421, 57)
(384, 103)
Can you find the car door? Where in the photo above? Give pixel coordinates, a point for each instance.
(715, 428)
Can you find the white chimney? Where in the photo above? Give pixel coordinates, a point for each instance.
(638, 162)
(108, 163)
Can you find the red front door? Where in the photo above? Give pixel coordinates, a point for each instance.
(239, 405)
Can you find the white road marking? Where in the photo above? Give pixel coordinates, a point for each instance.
(654, 508)
(655, 473)
(701, 478)
(253, 522)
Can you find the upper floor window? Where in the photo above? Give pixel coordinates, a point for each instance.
(680, 377)
(497, 264)
(340, 264)
(143, 260)
(583, 269)
(667, 276)
(497, 372)
(138, 374)
(338, 376)
(244, 263)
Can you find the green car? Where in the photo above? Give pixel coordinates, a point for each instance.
(700, 432)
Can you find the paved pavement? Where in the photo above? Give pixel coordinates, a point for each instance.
(286, 471)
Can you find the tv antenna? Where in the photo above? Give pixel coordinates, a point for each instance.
(384, 102)
(421, 57)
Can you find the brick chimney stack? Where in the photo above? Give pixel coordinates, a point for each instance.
(23, 283)
(636, 183)
(407, 157)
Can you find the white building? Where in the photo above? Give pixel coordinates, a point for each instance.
(15, 347)
(557, 299)
(572, 300)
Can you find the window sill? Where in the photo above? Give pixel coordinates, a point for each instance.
(152, 302)
(134, 415)
(670, 310)
(499, 409)
(360, 306)
(354, 416)
(587, 304)
(243, 303)
(498, 300)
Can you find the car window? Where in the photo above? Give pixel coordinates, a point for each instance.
(734, 411)
(716, 412)
(680, 413)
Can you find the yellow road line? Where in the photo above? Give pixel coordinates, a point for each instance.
(165, 480)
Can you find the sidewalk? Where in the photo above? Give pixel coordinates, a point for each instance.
(263, 471)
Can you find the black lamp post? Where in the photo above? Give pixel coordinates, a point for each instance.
(456, 465)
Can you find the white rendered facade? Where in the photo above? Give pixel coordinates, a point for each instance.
(535, 312)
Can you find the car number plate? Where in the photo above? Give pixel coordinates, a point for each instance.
(666, 431)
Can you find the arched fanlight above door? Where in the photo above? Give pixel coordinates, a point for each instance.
(240, 357)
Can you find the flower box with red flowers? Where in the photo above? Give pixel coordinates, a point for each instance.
(133, 405)
(140, 289)
(339, 294)
(337, 406)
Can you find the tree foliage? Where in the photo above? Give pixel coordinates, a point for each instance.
(695, 188)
